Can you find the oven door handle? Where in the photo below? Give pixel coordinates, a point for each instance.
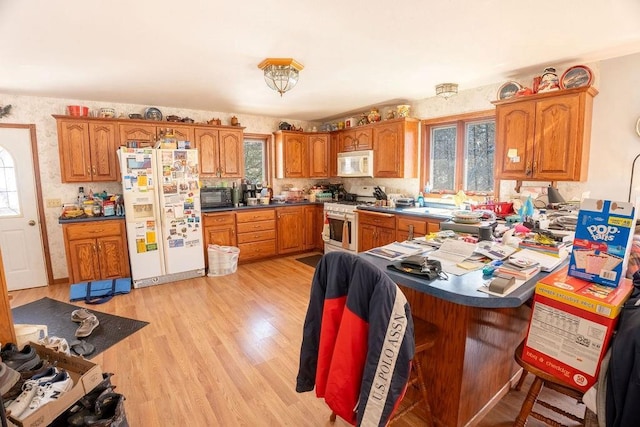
(340, 216)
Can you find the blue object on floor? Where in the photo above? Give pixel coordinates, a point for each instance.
(99, 291)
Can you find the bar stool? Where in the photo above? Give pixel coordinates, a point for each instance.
(425, 334)
(542, 379)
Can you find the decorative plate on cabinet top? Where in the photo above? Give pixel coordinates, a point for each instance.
(509, 90)
(576, 76)
(152, 113)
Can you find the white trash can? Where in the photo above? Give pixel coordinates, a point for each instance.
(223, 260)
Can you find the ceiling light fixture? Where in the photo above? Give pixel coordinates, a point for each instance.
(281, 74)
(446, 90)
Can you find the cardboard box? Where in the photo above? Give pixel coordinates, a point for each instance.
(571, 325)
(602, 241)
(85, 374)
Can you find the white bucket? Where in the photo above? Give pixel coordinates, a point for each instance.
(27, 333)
(223, 260)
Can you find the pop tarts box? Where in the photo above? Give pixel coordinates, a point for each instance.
(602, 241)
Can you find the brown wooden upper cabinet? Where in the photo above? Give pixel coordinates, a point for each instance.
(356, 139)
(146, 134)
(545, 136)
(220, 152)
(395, 148)
(87, 150)
(302, 154)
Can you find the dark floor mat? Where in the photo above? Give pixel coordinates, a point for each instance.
(57, 316)
(311, 260)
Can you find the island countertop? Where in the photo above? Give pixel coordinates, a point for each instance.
(461, 290)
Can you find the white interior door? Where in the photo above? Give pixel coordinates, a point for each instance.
(20, 235)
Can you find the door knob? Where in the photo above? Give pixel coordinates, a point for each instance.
(32, 223)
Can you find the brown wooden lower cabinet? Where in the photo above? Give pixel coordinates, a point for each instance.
(375, 229)
(219, 229)
(256, 236)
(421, 226)
(96, 250)
(291, 236)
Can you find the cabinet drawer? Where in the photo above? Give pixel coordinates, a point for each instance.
(258, 215)
(256, 236)
(379, 220)
(419, 226)
(256, 226)
(257, 250)
(91, 230)
(212, 220)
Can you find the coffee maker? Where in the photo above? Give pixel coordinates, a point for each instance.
(248, 190)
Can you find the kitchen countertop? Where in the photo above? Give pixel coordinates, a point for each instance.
(461, 290)
(271, 205)
(407, 211)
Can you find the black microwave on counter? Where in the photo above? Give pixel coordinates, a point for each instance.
(215, 197)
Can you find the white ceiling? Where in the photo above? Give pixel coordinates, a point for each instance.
(201, 54)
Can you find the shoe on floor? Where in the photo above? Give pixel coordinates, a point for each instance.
(80, 314)
(8, 378)
(48, 391)
(23, 360)
(87, 326)
(56, 344)
(29, 388)
(82, 348)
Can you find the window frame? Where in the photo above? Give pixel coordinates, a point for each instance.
(460, 121)
(267, 139)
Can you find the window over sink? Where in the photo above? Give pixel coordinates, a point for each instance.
(459, 153)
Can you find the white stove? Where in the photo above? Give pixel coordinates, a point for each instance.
(342, 231)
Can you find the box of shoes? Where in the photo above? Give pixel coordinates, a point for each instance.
(52, 401)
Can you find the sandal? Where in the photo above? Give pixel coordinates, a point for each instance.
(82, 348)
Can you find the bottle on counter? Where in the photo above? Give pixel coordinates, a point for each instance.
(420, 199)
(81, 197)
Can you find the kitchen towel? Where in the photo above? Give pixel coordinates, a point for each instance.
(99, 291)
(345, 234)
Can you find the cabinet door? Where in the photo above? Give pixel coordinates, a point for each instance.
(364, 139)
(319, 225)
(388, 156)
(290, 226)
(334, 148)
(515, 127)
(231, 153)
(75, 154)
(348, 141)
(384, 236)
(83, 261)
(181, 133)
(318, 156)
(366, 237)
(143, 134)
(296, 164)
(104, 164)
(206, 141)
(557, 134)
(311, 234)
(114, 261)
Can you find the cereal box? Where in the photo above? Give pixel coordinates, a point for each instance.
(602, 241)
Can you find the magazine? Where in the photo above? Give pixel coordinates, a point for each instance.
(495, 251)
(396, 251)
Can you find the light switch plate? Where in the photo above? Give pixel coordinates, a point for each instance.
(54, 203)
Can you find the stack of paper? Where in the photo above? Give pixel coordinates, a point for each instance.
(396, 251)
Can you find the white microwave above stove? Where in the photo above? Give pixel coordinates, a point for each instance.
(355, 163)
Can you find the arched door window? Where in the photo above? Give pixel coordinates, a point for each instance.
(9, 202)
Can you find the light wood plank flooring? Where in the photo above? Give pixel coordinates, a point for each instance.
(222, 351)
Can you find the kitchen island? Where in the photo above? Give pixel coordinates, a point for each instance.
(471, 366)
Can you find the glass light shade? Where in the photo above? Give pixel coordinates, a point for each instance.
(446, 90)
(281, 78)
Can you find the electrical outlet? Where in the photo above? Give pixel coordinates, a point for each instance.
(54, 203)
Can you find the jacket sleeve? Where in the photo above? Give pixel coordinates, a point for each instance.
(311, 331)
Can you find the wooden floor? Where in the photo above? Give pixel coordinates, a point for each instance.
(222, 351)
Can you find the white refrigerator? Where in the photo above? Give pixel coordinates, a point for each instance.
(161, 194)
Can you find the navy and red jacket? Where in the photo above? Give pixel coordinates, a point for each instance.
(357, 342)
